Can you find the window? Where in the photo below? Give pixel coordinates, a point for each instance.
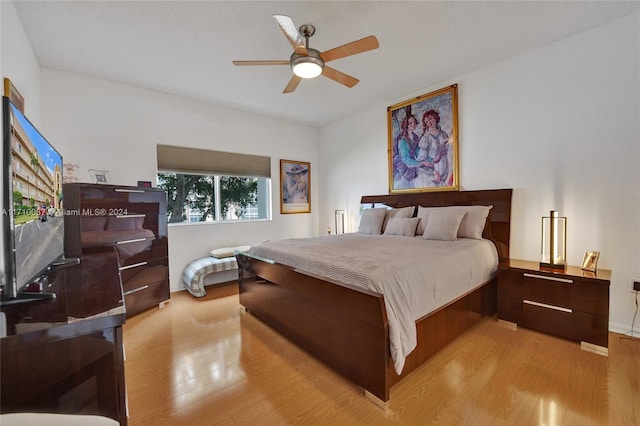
(213, 198)
(211, 186)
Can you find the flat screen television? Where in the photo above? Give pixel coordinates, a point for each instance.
(32, 221)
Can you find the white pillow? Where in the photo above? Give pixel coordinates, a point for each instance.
(401, 212)
(443, 224)
(473, 221)
(423, 215)
(371, 221)
(405, 226)
(221, 253)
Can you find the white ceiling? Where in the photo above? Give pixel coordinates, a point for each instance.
(186, 47)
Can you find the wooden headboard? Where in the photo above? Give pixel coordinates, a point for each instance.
(498, 226)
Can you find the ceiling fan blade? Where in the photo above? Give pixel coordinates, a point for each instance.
(291, 33)
(353, 48)
(262, 62)
(293, 84)
(339, 76)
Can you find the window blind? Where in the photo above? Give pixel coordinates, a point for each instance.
(203, 161)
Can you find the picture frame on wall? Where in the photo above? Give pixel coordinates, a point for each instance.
(99, 176)
(423, 142)
(295, 187)
(14, 96)
(590, 261)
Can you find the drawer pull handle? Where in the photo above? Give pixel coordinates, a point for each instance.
(128, 190)
(135, 290)
(544, 305)
(124, 216)
(135, 265)
(137, 240)
(542, 277)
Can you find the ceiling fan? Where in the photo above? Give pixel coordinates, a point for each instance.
(309, 63)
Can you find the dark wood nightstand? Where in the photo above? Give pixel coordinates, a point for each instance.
(571, 303)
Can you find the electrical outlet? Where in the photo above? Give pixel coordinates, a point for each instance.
(636, 285)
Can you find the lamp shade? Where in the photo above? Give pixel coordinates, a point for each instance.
(339, 221)
(307, 66)
(554, 241)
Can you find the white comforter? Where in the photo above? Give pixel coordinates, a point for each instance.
(416, 276)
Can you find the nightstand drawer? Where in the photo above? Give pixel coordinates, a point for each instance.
(547, 290)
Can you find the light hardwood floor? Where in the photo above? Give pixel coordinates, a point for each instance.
(204, 362)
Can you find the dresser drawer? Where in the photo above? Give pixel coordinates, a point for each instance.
(148, 296)
(137, 275)
(100, 230)
(117, 200)
(141, 250)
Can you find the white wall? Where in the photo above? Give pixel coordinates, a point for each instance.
(558, 124)
(107, 126)
(18, 63)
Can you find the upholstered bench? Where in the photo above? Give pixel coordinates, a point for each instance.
(195, 274)
(48, 419)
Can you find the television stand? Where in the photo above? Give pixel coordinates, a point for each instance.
(31, 293)
(66, 261)
(28, 296)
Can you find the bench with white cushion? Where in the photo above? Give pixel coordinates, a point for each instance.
(201, 272)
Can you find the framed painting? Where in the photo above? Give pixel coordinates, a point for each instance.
(14, 96)
(423, 142)
(295, 187)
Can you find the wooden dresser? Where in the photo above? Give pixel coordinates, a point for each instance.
(571, 303)
(128, 227)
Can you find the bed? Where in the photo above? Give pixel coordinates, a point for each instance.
(347, 326)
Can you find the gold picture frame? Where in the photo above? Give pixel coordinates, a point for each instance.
(590, 261)
(14, 96)
(423, 143)
(295, 187)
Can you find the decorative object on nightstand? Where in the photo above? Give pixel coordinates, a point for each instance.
(590, 261)
(339, 221)
(99, 176)
(554, 241)
(571, 303)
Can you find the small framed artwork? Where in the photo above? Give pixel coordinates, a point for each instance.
(295, 187)
(14, 96)
(590, 261)
(99, 176)
(423, 142)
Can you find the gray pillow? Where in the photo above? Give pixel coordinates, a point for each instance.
(405, 226)
(443, 224)
(371, 221)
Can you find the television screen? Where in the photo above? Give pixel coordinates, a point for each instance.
(32, 190)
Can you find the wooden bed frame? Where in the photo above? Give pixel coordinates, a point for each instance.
(345, 326)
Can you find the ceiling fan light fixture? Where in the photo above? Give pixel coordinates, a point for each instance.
(309, 66)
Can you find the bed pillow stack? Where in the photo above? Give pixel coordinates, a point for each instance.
(433, 223)
(376, 221)
(452, 222)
